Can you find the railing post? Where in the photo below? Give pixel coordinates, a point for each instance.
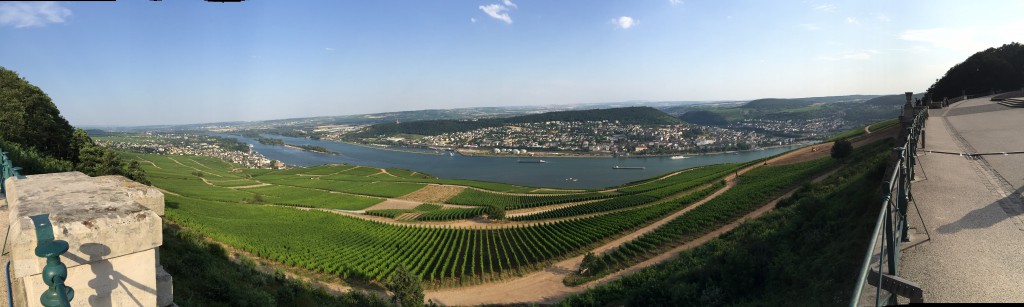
(55, 272)
(3, 171)
(908, 175)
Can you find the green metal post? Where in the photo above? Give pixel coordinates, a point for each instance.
(55, 272)
(888, 247)
(903, 201)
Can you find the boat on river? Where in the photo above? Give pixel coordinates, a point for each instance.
(628, 167)
(532, 161)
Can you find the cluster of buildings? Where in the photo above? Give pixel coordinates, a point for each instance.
(597, 137)
(818, 128)
(191, 145)
(335, 132)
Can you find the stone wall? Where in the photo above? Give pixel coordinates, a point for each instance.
(113, 227)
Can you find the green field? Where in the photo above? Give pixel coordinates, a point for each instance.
(255, 210)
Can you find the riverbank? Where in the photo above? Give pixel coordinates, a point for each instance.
(309, 149)
(424, 151)
(566, 173)
(470, 152)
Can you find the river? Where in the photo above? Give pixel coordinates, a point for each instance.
(571, 173)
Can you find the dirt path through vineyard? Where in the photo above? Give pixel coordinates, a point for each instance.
(545, 286)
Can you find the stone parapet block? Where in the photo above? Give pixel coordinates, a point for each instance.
(101, 218)
(164, 287)
(129, 280)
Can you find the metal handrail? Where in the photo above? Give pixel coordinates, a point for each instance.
(7, 170)
(891, 224)
(54, 272)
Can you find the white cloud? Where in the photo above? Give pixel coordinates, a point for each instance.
(855, 55)
(809, 26)
(967, 39)
(508, 3)
(625, 22)
(471, 19)
(825, 7)
(675, 2)
(852, 21)
(498, 11)
(329, 49)
(882, 17)
(32, 14)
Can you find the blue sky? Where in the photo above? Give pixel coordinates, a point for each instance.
(175, 62)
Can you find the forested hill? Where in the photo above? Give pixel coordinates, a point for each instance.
(994, 69)
(39, 140)
(775, 103)
(892, 100)
(630, 115)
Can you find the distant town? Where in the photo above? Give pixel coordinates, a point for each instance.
(191, 144)
(598, 133)
(612, 138)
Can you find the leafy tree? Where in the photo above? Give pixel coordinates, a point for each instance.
(591, 265)
(135, 172)
(841, 149)
(495, 212)
(406, 287)
(40, 140)
(29, 117)
(993, 69)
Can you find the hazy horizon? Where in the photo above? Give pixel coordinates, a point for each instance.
(172, 63)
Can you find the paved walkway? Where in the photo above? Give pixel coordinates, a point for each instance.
(973, 249)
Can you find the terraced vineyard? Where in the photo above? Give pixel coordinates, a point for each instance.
(351, 247)
(756, 188)
(253, 210)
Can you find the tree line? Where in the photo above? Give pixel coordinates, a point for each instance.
(629, 115)
(39, 140)
(990, 70)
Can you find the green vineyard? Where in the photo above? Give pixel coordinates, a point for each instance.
(370, 250)
(471, 197)
(255, 211)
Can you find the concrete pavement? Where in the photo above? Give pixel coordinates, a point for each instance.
(970, 246)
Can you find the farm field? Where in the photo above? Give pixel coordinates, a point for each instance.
(267, 213)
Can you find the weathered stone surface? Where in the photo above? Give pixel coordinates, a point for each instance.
(91, 214)
(129, 280)
(146, 196)
(164, 287)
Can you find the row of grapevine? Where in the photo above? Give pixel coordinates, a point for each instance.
(587, 208)
(754, 189)
(683, 177)
(349, 247)
(389, 213)
(380, 189)
(428, 207)
(616, 203)
(472, 197)
(451, 214)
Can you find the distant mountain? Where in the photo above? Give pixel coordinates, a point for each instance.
(777, 109)
(630, 115)
(704, 117)
(994, 69)
(775, 103)
(892, 100)
(843, 98)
